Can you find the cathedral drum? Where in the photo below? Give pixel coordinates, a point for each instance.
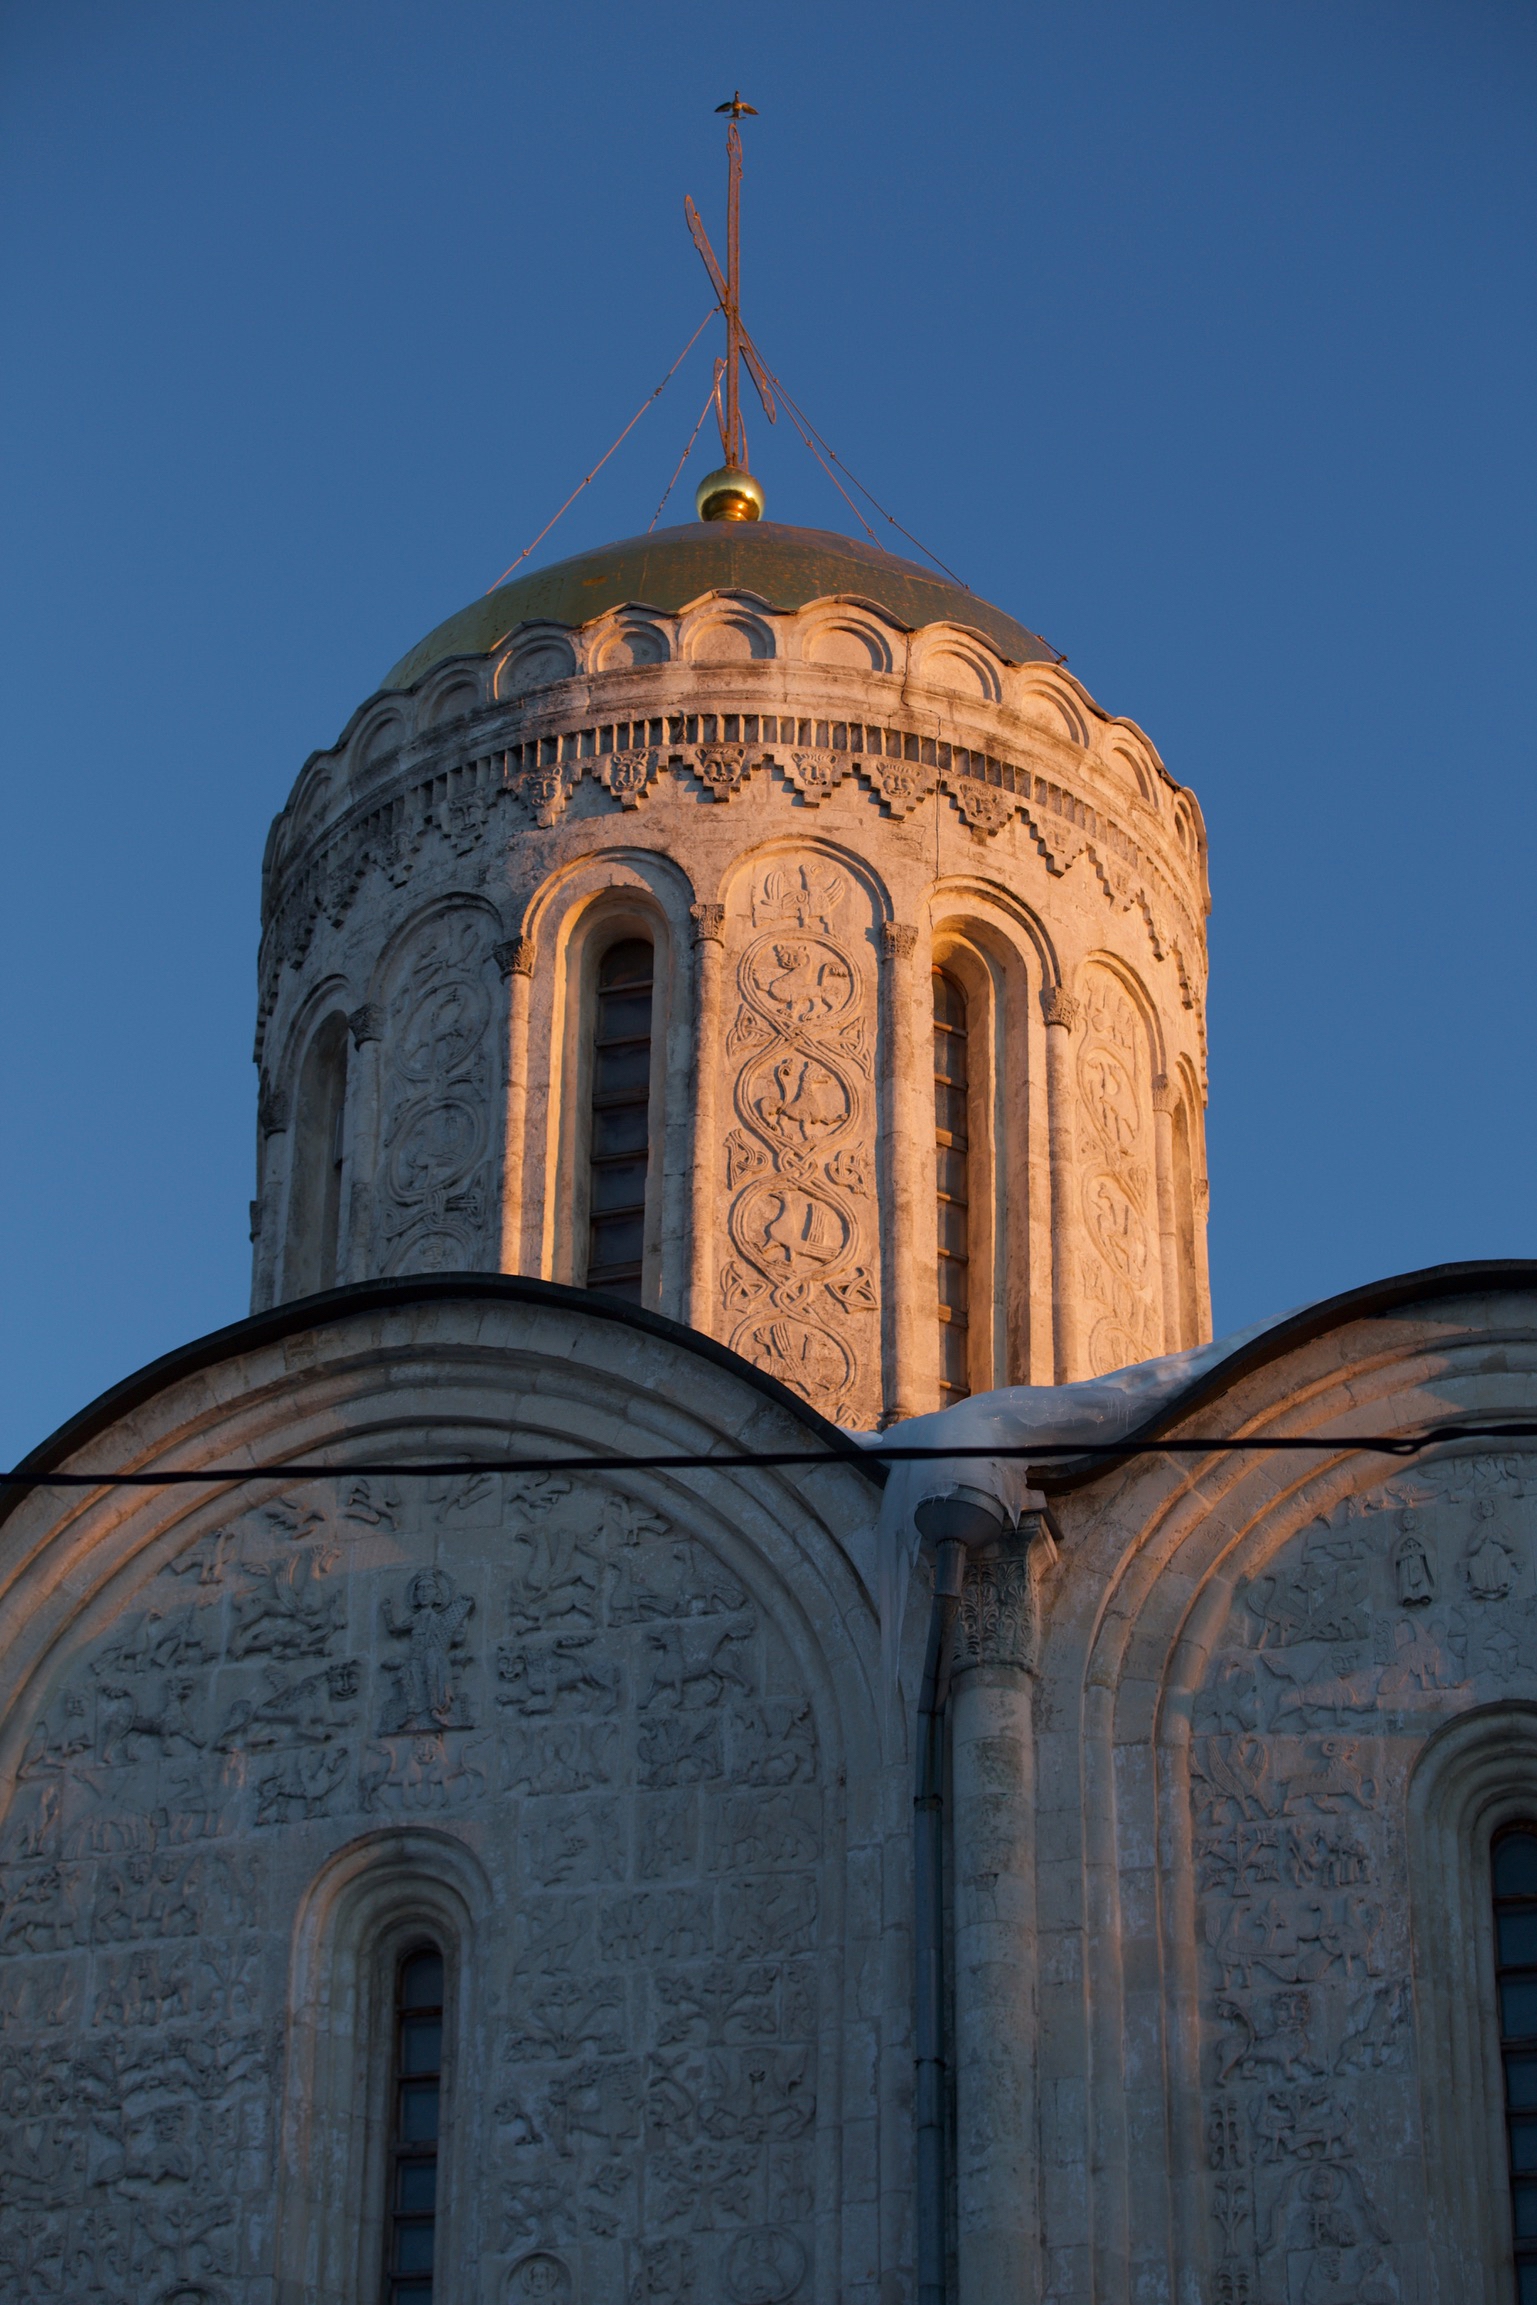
(816, 788)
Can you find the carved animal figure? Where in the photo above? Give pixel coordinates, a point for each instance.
(1236, 1774)
(1272, 2035)
(1331, 1779)
(284, 1611)
(692, 1663)
(309, 1711)
(125, 1720)
(557, 1577)
(1373, 2039)
(533, 1680)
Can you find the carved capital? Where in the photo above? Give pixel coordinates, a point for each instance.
(514, 956)
(709, 922)
(1165, 1094)
(366, 1023)
(271, 1109)
(999, 1616)
(897, 940)
(1059, 1007)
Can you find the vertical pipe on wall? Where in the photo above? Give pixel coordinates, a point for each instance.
(515, 959)
(704, 1210)
(1061, 1014)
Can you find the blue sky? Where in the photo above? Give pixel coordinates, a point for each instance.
(1201, 337)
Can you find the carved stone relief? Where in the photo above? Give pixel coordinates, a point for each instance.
(800, 1284)
(543, 1663)
(433, 1190)
(1117, 1181)
(1372, 1625)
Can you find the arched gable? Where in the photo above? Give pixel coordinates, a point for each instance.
(1249, 1665)
(615, 1737)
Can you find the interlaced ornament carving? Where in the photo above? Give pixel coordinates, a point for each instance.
(799, 1162)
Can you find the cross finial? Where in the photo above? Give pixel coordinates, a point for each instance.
(731, 493)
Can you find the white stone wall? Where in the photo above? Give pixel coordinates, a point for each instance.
(1281, 1706)
(613, 1739)
(1231, 1735)
(804, 812)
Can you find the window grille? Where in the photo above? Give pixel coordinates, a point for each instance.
(621, 1119)
(416, 2089)
(950, 1176)
(1515, 1954)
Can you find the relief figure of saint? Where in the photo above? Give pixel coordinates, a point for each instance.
(1412, 1567)
(1489, 1566)
(434, 1627)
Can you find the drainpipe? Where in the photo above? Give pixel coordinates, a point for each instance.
(952, 1522)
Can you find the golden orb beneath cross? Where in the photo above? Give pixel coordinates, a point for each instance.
(729, 495)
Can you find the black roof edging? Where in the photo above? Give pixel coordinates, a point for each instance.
(289, 1319)
(1478, 1277)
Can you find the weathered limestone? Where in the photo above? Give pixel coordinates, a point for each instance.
(1209, 2014)
(805, 810)
(1229, 1750)
(613, 1740)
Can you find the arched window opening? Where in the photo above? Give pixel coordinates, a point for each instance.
(621, 1119)
(416, 2088)
(315, 1192)
(1515, 1957)
(951, 1088)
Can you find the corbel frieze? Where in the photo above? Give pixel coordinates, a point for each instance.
(433, 792)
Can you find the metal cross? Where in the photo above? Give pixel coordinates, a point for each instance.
(728, 290)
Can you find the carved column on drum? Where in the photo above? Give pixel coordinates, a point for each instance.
(269, 1209)
(1061, 1012)
(709, 1056)
(515, 959)
(904, 1150)
(994, 1950)
(1165, 1098)
(1200, 1189)
(366, 1025)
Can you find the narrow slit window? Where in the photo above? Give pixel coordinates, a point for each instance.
(416, 2102)
(621, 1119)
(315, 1199)
(1515, 1958)
(950, 1177)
